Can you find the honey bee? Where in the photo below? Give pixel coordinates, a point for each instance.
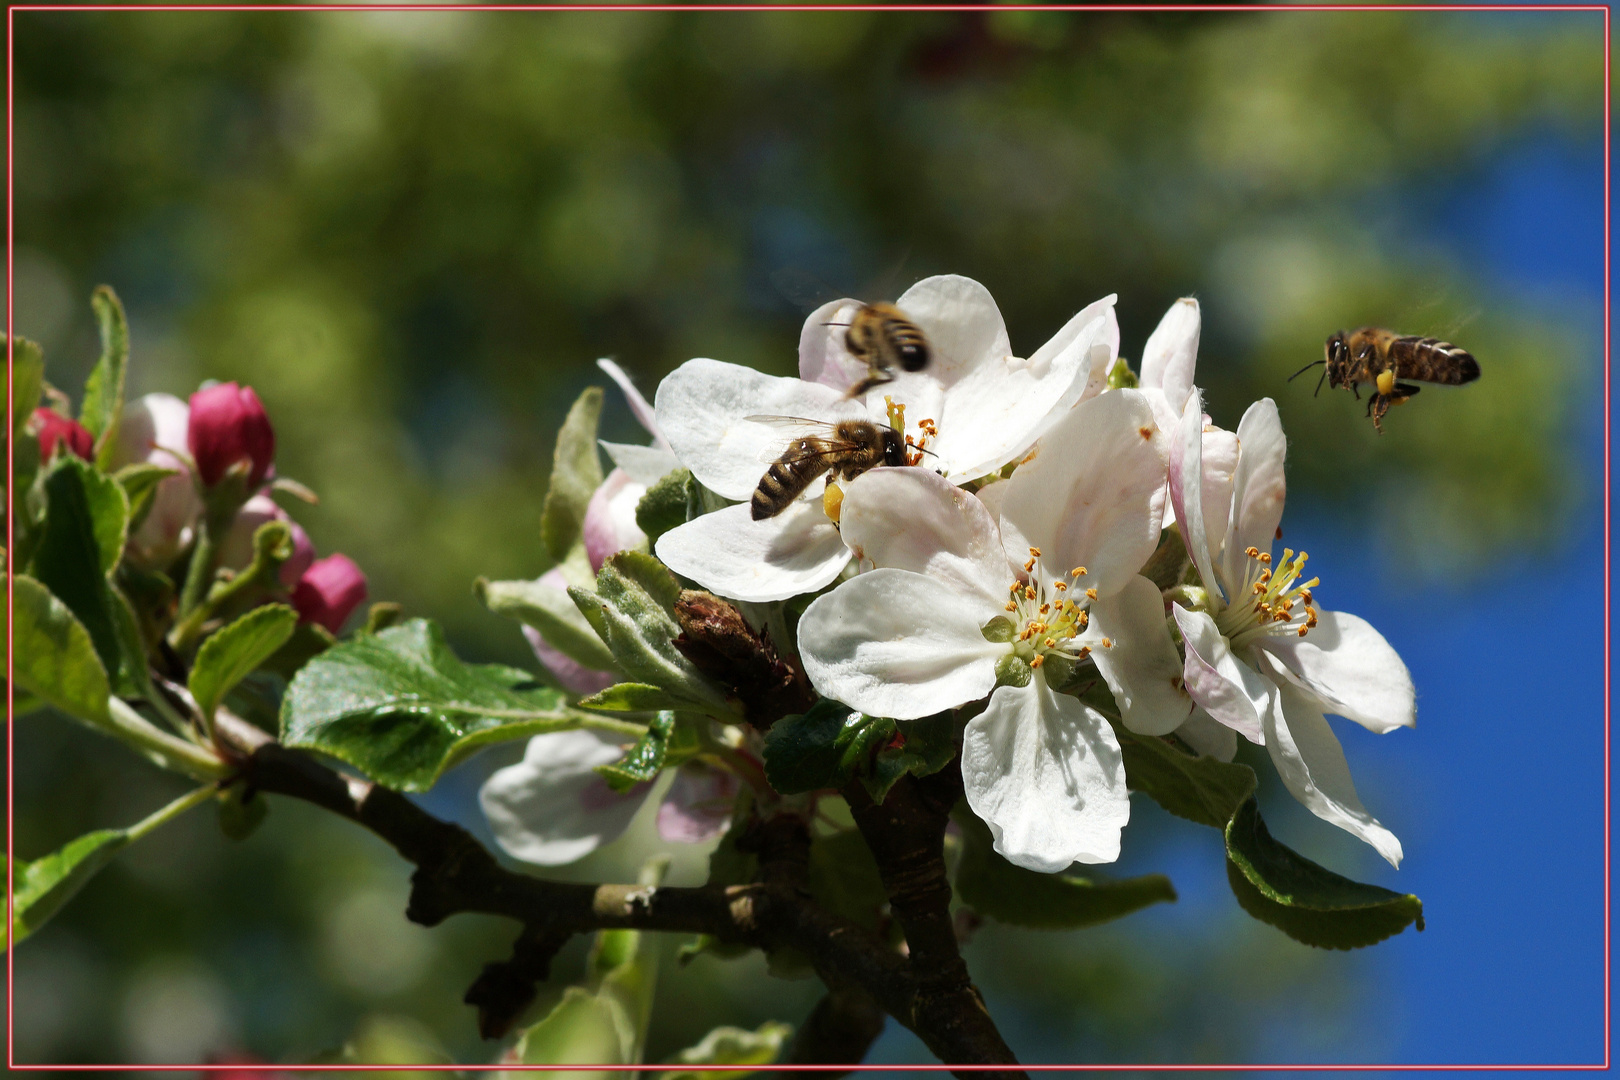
(843, 449)
(1380, 357)
(882, 337)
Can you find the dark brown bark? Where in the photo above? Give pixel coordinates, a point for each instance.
(839, 1031)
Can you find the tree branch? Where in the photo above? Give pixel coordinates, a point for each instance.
(839, 1031)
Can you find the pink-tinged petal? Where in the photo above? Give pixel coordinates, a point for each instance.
(643, 410)
(701, 409)
(570, 674)
(1258, 485)
(912, 519)
(797, 551)
(697, 806)
(1046, 774)
(152, 427)
(56, 431)
(1208, 736)
(236, 548)
(1171, 353)
(228, 425)
(824, 358)
(1088, 497)
(1351, 670)
(1186, 473)
(610, 518)
(1226, 688)
(1312, 766)
(329, 591)
(552, 808)
(1220, 458)
(1140, 663)
(895, 643)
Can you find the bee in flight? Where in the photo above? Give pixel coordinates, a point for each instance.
(843, 449)
(882, 337)
(1381, 357)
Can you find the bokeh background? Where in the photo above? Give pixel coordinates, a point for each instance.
(413, 233)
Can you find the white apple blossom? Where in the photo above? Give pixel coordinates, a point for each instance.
(983, 408)
(153, 428)
(610, 517)
(956, 604)
(554, 808)
(1260, 657)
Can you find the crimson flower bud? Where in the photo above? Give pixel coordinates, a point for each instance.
(228, 425)
(55, 430)
(329, 591)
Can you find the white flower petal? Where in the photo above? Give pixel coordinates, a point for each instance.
(1228, 689)
(894, 643)
(728, 552)
(1141, 665)
(643, 411)
(701, 410)
(1186, 490)
(551, 808)
(1208, 736)
(610, 518)
(913, 519)
(1258, 486)
(964, 327)
(698, 804)
(1046, 774)
(1354, 672)
(1171, 353)
(646, 465)
(1088, 498)
(823, 356)
(992, 495)
(1220, 458)
(1311, 763)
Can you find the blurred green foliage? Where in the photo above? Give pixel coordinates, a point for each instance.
(414, 232)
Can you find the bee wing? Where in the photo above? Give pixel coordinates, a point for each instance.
(793, 430)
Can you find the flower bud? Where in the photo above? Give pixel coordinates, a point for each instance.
(610, 518)
(228, 425)
(573, 676)
(329, 592)
(151, 429)
(55, 430)
(236, 549)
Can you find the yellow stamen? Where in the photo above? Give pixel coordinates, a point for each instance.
(1091, 594)
(1077, 571)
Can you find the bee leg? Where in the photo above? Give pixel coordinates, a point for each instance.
(1377, 407)
(1404, 390)
(1356, 390)
(867, 383)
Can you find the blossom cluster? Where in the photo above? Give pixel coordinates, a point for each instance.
(1075, 554)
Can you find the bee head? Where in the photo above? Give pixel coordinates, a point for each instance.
(894, 447)
(913, 357)
(1338, 357)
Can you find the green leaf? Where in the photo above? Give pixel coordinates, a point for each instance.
(44, 885)
(52, 654)
(994, 887)
(635, 601)
(927, 746)
(231, 653)
(630, 697)
(140, 482)
(844, 878)
(730, 1046)
(80, 542)
(1201, 789)
(103, 402)
(576, 473)
(308, 641)
(551, 612)
(664, 505)
(1308, 902)
(645, 760)
(402, 708)
(821, 748)
(27, 379)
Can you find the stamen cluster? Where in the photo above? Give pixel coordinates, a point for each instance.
(1275, 594)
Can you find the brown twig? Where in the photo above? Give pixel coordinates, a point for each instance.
(839, 1031)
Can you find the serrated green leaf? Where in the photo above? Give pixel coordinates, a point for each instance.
(227, 657)
(927, 746)
(1306, 901)
(576, 473)
(664, 505)
(27, 380)
(731, 1046)
(551, 612)
(140, 483)
(103, 403)
(52, 654)
(634, 600)
(402, 708)
(643, 761)
(994, 887)
(1201, 789)
(82, 537)
(630, 697)
(821, 748)
(844, 878)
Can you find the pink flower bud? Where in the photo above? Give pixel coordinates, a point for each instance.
(55, 430)
(153, 426)
(236, 549)
(329, 591)
(610, 518)
(229, 425)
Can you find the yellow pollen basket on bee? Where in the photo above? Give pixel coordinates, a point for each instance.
(832, 501)
(1273, 601)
